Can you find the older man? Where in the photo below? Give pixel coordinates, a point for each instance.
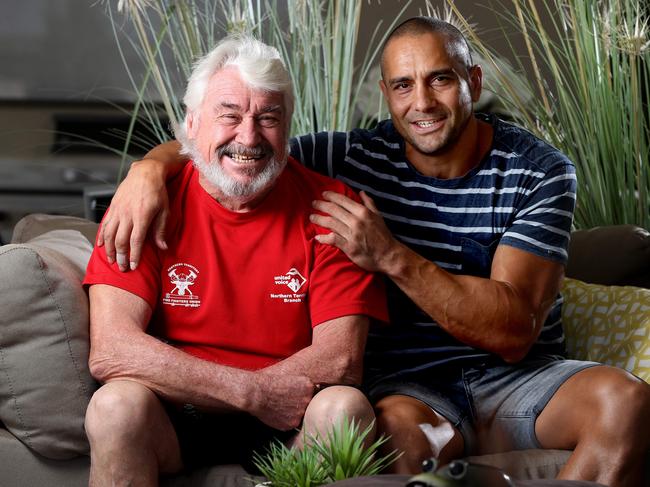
(217, 344)
(470, 223)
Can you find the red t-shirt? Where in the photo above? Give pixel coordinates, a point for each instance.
(245, 289)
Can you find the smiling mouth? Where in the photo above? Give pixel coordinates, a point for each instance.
(427, 123)
(244, 155)
(243, 159)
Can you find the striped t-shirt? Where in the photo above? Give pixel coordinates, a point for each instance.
(522, 194)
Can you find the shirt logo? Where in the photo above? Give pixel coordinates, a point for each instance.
(181, 277)
(294, 281)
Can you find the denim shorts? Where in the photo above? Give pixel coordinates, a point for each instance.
(496, 397)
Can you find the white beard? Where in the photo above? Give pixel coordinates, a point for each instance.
(229, 186)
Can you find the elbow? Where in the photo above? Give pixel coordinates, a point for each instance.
(516, 348)
(514, 354)
(103, 366)
(520, 337)
(97, 370)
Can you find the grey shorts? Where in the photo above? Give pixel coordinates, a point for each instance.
(500, 398)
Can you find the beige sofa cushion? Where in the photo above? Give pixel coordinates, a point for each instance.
(38, 223)
(45, 384)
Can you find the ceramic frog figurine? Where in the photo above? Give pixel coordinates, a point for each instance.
(459, 473)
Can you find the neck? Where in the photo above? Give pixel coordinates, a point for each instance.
(459, 157)
(238, 204)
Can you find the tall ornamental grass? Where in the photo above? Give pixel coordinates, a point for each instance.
(587, 63)
(317, 39)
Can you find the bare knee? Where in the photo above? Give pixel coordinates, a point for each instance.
(338, 402)
(600, 406)
(119, 409)
(623, 403)
(333, 405)
(400, 417)
(395, 412)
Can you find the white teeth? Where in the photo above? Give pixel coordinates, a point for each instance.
(428, 123)
(242, 159)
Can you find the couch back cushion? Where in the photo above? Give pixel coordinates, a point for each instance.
(616, 255)
(45, 384)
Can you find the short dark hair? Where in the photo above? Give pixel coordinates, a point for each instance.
(430, 25)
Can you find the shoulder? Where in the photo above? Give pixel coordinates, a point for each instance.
(382, 136)
(179, 189)
(179, 184)
(520, 147)
(311, 184)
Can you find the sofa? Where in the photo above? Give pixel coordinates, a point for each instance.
(45, 384)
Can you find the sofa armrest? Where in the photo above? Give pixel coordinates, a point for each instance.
(608, 324)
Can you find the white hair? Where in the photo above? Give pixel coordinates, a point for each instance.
(259, 65)
(261, 68)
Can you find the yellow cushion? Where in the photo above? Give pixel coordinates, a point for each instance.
(608, 324)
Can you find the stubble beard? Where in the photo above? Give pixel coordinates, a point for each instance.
(444, 141)
(451, 133)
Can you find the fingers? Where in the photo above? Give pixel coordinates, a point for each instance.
(330, 223)
(108, 230)
(344, 202)
(100, 234)
(368, 202)
(136, 242)
(159, 225)
(139, 235)
(345, 209)
(332, 239)
(122, 240)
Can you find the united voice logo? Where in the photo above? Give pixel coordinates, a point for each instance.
(293, 280)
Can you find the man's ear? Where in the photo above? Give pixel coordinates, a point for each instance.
(383, 88)
(191, 125)
(475, 82)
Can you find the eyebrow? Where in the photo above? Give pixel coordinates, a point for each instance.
(430, 74)
(235, 106)
(230, 106)
(271, 109)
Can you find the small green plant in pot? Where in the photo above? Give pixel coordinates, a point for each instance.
(339, 455)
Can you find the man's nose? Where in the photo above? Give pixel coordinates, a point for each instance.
(425, 97)
(248, 132)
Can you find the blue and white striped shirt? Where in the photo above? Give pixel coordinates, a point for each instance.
(522, 194)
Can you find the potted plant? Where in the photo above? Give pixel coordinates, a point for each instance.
(341, 454)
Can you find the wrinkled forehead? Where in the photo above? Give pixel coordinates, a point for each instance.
(435, 49)
(227, 88)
